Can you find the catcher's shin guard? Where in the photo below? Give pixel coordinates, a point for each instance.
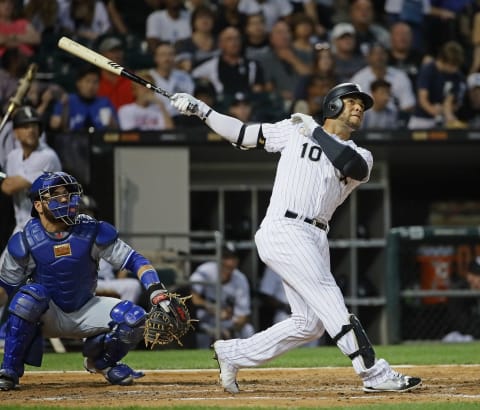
(105, 350)
(365, 349)
(22, 329)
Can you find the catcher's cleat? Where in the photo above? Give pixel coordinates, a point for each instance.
(120, 374)
(397, 382)
(8, 379)
(228, 373)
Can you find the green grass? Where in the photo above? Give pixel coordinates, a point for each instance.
(412, 354)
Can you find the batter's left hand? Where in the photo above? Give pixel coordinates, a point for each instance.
(308, 122)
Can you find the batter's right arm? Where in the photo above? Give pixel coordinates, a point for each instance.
(238, 133)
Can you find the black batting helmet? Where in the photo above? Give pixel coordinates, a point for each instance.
(25, 115)
(333, 104)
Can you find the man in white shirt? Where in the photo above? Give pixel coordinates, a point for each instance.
(235, 301)
(403, 97)
(171, 24)
(27, 162)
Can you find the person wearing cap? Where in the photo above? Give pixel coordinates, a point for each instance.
(347, 61)
(27, 162)
(118, 89)
(469, 112)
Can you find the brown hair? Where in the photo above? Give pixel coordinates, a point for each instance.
(452, 53)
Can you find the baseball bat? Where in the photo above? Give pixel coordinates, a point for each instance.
(17, 99)
(97, 59)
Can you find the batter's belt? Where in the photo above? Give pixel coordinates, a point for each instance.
(311, 221)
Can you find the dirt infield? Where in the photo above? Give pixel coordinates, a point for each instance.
(319, 387)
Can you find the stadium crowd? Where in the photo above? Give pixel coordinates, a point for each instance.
(420, 59)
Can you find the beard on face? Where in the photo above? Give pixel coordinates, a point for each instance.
(48, 215)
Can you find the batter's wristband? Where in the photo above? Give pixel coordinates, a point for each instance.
(149, 278)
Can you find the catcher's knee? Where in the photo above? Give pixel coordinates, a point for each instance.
(30, 302)
(128, 321)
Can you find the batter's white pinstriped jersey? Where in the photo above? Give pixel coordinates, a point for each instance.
(306, 181)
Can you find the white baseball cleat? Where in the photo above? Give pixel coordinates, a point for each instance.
(228, 373)
(397, 382)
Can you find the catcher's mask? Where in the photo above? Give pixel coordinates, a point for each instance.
(64, 207)
(333, 103)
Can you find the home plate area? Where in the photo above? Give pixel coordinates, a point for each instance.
(312, 387)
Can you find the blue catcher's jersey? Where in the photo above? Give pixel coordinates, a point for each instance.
(64, 265)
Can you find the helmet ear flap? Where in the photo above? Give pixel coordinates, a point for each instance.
(335, 107)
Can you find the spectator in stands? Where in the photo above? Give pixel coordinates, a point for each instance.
(403, 96)
(401, 53)
(414, 14)
(347, 61)
(272, 10)
(443, 25)
(167, 77)
(234, 304)
(87, 20)
(147, 112)
(116, 88)
(283, 65)
(130, 21)
(311, 89)
(14, 65)
(43, 15)
(303, 35)
(16, 32)
(367, 31)
(316, 88)
(469, 112)
(440, 89)
(169, 25)
(231, 72)
(255, 37)
(83, 110)
(42, 96)
(381, 115)
(202, 45)
(320, 11)
(241, 107)
(229, 15)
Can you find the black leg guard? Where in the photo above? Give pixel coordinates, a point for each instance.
(365, 349)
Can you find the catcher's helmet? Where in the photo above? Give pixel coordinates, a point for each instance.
(333, 104)
(42, 190)
(25, 115)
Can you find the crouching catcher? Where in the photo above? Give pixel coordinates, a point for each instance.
(50, 273)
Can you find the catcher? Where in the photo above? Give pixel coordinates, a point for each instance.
(51, 271)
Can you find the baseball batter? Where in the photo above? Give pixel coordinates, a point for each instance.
(318, 168)
(50, 270)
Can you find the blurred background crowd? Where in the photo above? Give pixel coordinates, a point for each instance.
(259, 60)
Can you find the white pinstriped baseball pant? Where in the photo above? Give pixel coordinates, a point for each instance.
(299, 253)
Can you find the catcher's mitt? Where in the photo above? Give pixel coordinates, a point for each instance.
(167, 321)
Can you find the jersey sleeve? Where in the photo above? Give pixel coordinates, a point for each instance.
(276, 135)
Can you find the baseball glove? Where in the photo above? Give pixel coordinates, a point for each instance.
(168, 320)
